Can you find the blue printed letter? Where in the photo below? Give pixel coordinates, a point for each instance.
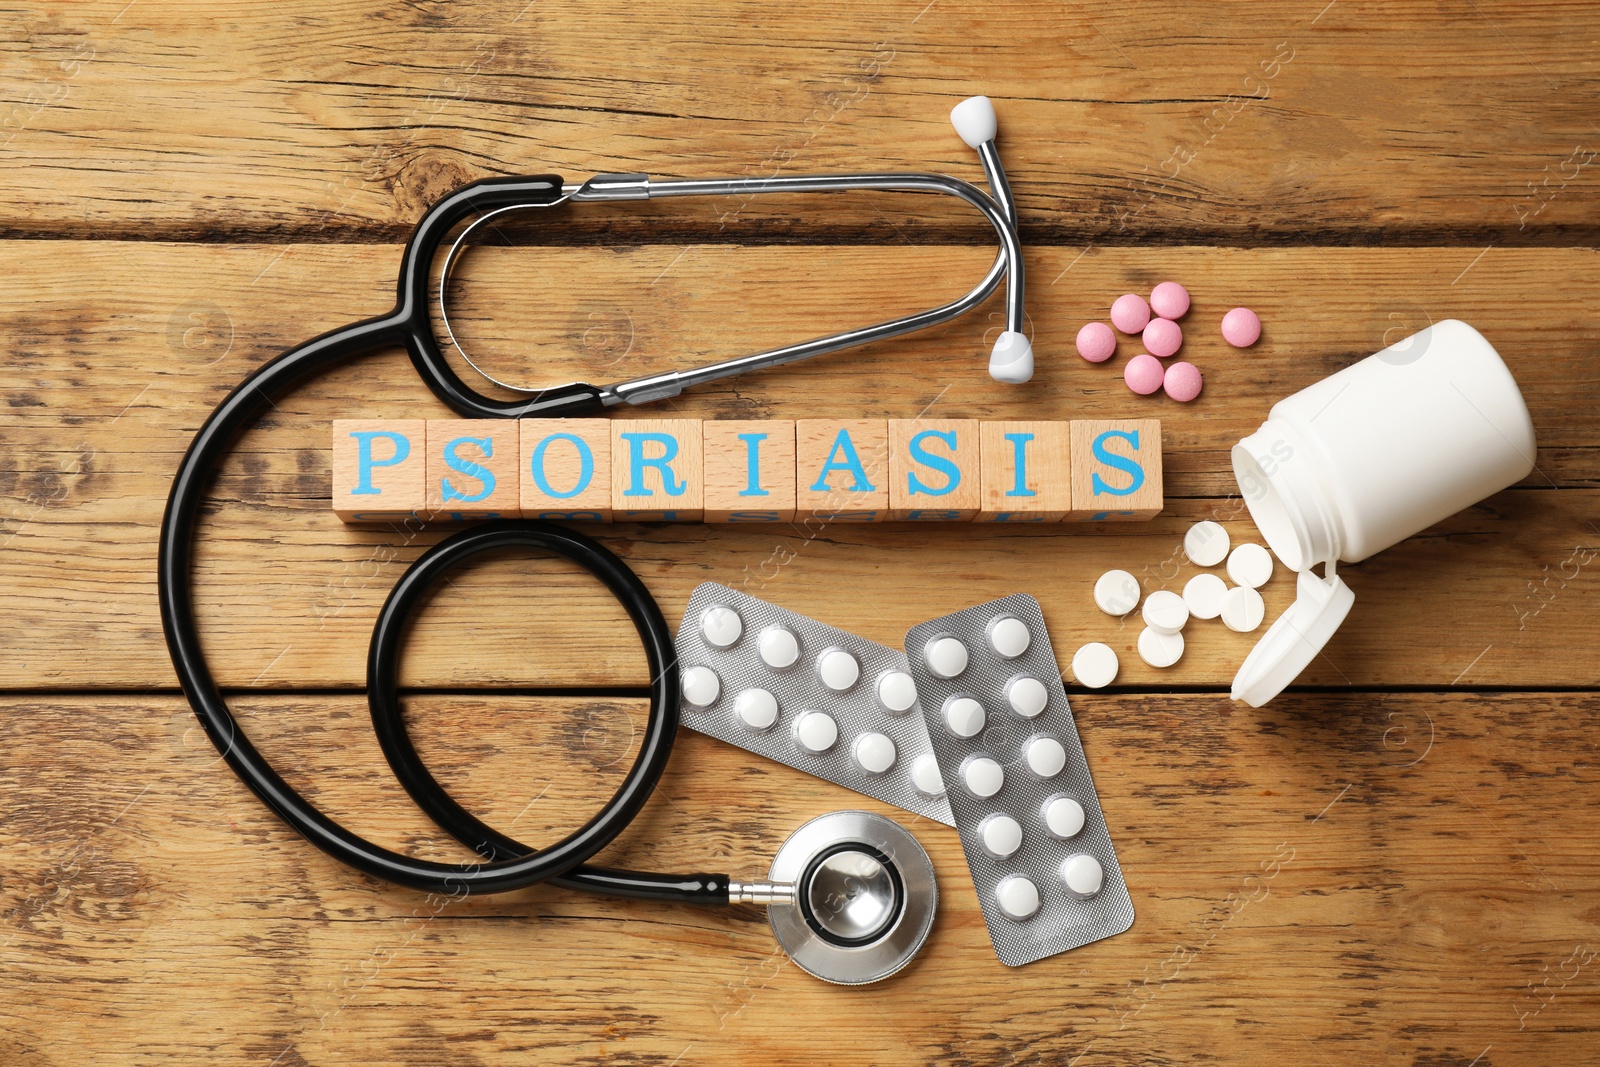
(365, 462)
(585, 466)
(469, 468)
(637, 463)
(849, 461)
(946, 467)
(1115, 462)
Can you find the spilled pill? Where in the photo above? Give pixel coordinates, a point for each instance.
(1183, 381)
(1165, 612)
(1116, 593)
(1243, 609)
(1206, 543)
(1159, 649)
(1129, 313)
(1096, 342)
(1241, 327)
(1169, 300)
(1162, 337)
(1095, 665)
(1203, 594)
(1250, 565)
(1144, 374)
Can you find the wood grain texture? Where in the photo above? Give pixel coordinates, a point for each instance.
(107, 390)
(1118, 122)
(1362, 878)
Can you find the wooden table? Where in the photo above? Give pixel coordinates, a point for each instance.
(190, 189)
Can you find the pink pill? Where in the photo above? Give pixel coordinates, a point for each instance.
(1169, 300)
(1163, 337)
(1096, 342)
(1183, 381)
(1241, 327)
(1129, 313)
(1143, 374)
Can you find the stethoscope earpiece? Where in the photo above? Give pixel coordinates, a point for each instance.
(860, 895)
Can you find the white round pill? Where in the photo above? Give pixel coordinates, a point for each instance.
(1165, 612)
(983, 776)
(1206, 544)
(1046, 757)
(779, 647)
(926, 777)
(1018, 897)
(1027, 695)
(815, 731)
(1083, 875)
(946, 656)
(1203, 595)
(756, 708)
(1063, 816)
(896, 692)
(1094, 665)
(1001, 836)
(1159, 649)
(1116, 593)
(701, 686)
(720, 626)
(874, 753)
(838, 669)
(1009, 637)
(964, 716)
(1250, 565)
(1243, 609)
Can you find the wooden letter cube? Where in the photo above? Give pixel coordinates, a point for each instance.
(1027, 473)
(749, 468)
(378, 468)
(934, 472)
(842, 469)
(472, 469)
(656, 470)
(566, 469)
(1116, 469)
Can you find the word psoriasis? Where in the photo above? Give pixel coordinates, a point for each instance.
(777, 470)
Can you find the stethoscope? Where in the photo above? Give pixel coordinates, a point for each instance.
(851, 896)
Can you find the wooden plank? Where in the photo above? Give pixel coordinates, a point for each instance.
(120, 350)
(1160, 119)
(1394, 877)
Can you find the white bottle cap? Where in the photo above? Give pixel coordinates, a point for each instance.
(1012, 358)
(974, 120)
(1294, 640)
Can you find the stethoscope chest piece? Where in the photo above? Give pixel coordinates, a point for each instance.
(865, 897)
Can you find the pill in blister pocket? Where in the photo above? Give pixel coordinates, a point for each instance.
(1083, 875)
(1001, 836)
(1116, 593)
(1008, 637)
(1095, 665)
(815, 731)
(897, 692)
(926, 777)
(1243, 609)
(779, 647)
(947, 657)
(964, 716)
(1027, 695)
(756, 708)
(721, 626)
(701, 686)
(1018, 897)
(1159, 649)
(1203, 594)
(874, 753)
(1063, 816)
(1206, 544)
(1250, 565)
(1046, 757)
(838, 669)
(983, 776)
(1165, 612)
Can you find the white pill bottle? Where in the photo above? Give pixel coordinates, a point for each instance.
(1366, 458)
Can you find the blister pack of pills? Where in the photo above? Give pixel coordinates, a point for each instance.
(1025, 805)
(808, 695)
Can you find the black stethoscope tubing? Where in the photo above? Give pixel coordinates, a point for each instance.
(508, 864)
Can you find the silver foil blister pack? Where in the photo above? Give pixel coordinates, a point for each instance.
(808, 695)
(1018, 783)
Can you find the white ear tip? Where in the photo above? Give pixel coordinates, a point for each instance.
(974, 120)
(1012, 359)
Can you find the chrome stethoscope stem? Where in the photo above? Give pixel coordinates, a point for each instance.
(1007, 263)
